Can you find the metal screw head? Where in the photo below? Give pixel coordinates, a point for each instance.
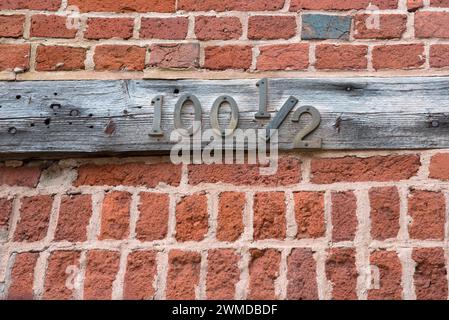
(12, 130)
(435, 124)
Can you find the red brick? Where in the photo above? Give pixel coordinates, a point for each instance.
(413, 5)
(218, 28)
(101, 271)
(115, 216)
(130, 174)
(309, 213)
(431, 24)
(439, 3)
(230, 216)
(22, 276)
(377, 168)
(19, 176)
(392, 26)
(271, 27)
(342, 273)
(344, 216)
(400, 56)
(51, 26)
(341, 57)
(164, 28)
(427, 210)
(14, 56)
(269, 216)
(230, 5)
(143, 6)
(74, 215)
(119, 58)
(11, 26)
(439, 55)
(5, 212)
(34, 218)
(62, 270)
(186, 55)
(58, 58)
(283, 57)
(263, 273)
(153, 219)
(50, 5)
(430, 274)
(107, 28)
(140, 274)
(289, 173)
(302, 280)
(222, 274)
(390, 276)
(192, 218)
(385, 212)
(439, 166)
(183, 275)
(341, 5)
(228, 57)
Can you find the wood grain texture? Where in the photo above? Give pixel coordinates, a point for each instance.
(114, 117)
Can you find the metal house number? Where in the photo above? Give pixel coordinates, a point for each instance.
(299, 142)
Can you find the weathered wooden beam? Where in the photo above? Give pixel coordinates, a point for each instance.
(104, 117)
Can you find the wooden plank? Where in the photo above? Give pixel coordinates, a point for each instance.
(104, 117)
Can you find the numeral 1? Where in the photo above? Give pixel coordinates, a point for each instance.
(263, 100)
(156, 131)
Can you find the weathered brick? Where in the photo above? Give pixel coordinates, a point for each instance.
(192, 218)
(439, 56)
(289, 173)
(230, 216)
(62, 269)
(115, 216)
(183, 275)
(388, 284)
(263, 273)
(342, 273)
(5, 216)
(271, 27)
(51, 26)
(50, 5)
(283, 57)
(269, 216)
(153, 217)
(427, 210)
(344, 216)
(107, 28)
(431, 24)
(130, 174)
(341, 57)
(399, 56)
(376, 168)
(309, 213)
(413, 5)
(218, 28)
(101, 271)
(222, 274)
(230, 5)
(140, 273)
(430, 274)
(341, 5)
(22, 276)
(14, 56)
(34, 218)
(320, 26)
(302, 280)
(119, 58)
(19, 176)
(439, 166)
(59, 58)
(228, 57)
(385, 212)
(124, 5)
(11, 26)
(164, 28)
(439, 3)
(183, 56)
(391, 26)
(74, 215)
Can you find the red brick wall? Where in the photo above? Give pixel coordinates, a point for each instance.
(142, 228)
